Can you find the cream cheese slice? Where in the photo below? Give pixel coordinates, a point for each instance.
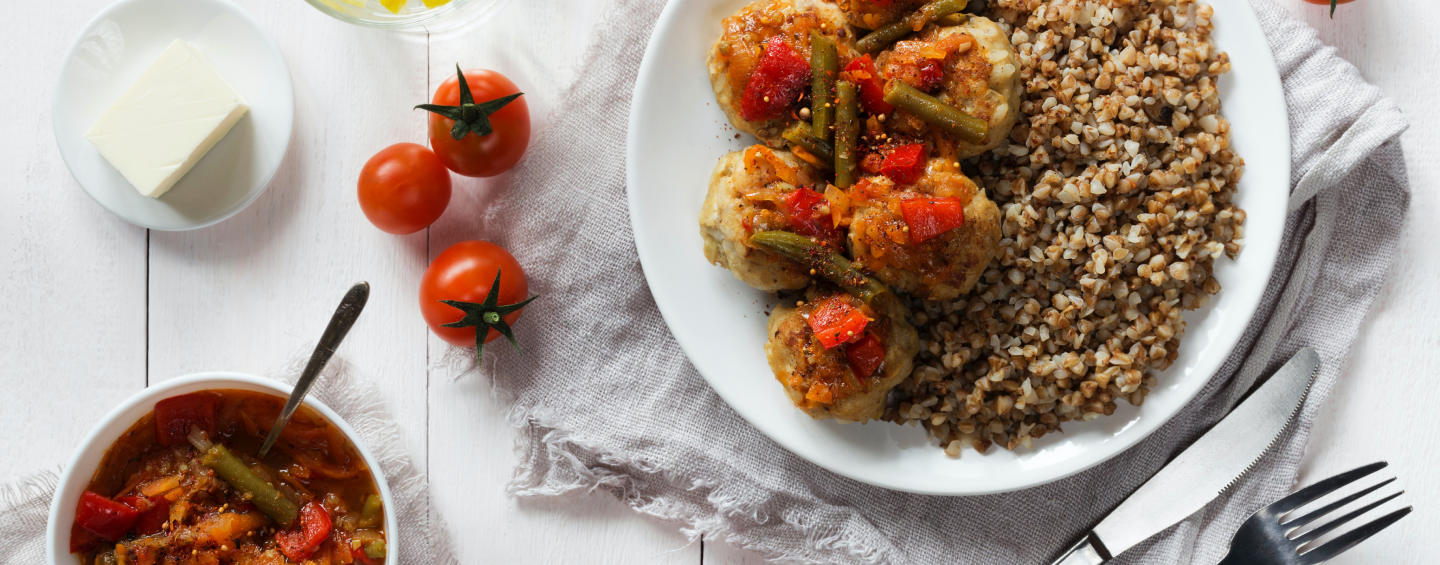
(167, 120)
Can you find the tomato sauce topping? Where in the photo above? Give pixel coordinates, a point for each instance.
(809, 216)
(862, 72)
(835, 321)
(777, 83)
(904, 164)
(865, 356)
(840, 345)
(929, 217)
(913, 240)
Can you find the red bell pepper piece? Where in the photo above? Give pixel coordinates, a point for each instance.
(836, 322)
(301, 540)
(154, 512)
(777, 83)
(175, 415)
(342, 552)
(905, 164)
(872, 92)
(82, 541)
(932, 74)
(930, 217)
(803, 210)
(865, 356)
(106, 518)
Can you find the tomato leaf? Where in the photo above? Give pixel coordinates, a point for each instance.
(452, 112)
(1333, 3)
(486, 316)
(470, 117)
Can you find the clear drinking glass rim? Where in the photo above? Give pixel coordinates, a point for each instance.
(415, 20)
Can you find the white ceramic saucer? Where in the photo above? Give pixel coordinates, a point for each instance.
(116, 47)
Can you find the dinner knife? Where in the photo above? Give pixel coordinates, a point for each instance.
(1204, 470)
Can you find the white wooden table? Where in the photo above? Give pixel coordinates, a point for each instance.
(93, 309)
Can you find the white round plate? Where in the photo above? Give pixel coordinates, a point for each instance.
(115, 49)
(678, 133)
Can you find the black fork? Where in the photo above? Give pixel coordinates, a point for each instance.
(1268, 536)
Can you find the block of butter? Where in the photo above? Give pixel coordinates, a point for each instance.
(167, 120)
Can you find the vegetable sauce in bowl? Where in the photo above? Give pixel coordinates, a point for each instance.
(182, 485)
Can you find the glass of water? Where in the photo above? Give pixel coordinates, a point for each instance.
(418, 15)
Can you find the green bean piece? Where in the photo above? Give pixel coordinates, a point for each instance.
(847, 133)
(824, 66)
(952, 20)
(260, 493)
(876, 41)
(939, 114)
(375, 550)
(799, 136)
(833, 266)
(370, 515)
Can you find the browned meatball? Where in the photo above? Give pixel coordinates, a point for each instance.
(737, 52)
(977, 73)
(822, 381)
(940, 268)
(870, 14)
(747, 194)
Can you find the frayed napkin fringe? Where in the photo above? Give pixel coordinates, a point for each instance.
(610, 396)
(15, 494)
(554, 462)
(362, 405)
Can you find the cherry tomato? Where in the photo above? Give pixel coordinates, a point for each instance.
(464, 273)
(1330, 4)
(474, 155)
(404, 188)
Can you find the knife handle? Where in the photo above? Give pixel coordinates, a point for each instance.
(1087, 551)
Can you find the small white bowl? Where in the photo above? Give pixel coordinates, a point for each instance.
(116, 47)
(87, 457)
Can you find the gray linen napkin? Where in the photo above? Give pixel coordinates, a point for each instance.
(609, 402)
(25, 504)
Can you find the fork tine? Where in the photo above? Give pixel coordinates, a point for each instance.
(1315, 534)
(1309, 494)
(1311, 517)
(1339, 545)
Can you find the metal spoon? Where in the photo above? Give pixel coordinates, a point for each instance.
(340, 324)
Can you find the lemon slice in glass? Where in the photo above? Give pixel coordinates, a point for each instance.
(435, 3)
(393, 5)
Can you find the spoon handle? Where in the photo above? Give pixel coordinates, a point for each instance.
(340, 324)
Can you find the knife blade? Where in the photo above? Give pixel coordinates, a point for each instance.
(1204, 470)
